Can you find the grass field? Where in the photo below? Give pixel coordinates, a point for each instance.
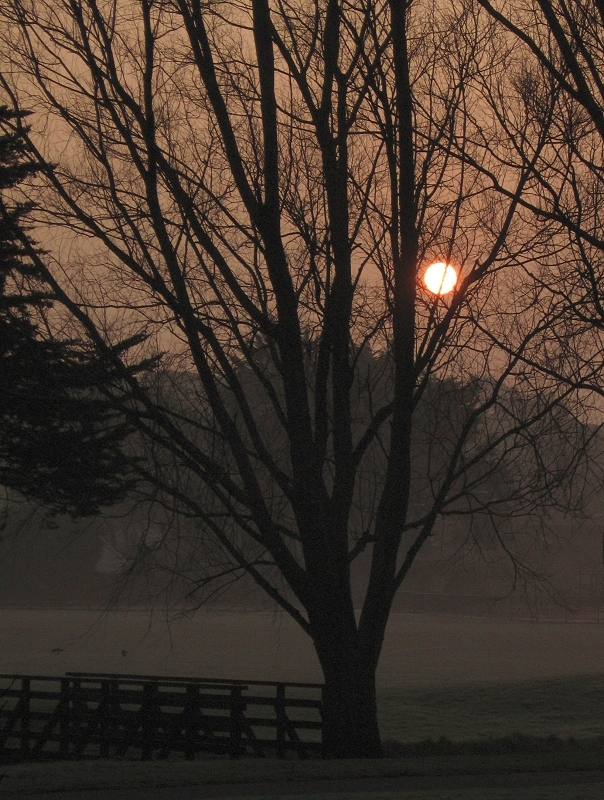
(560, 707)
(419, 649)
(579, 792)
(569, 706)
(20, 780)
(473, 729)
(443, 758)
(463, 680)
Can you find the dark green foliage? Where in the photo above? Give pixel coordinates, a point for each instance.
(60, 435)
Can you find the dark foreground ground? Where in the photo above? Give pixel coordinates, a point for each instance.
(339, 787)
(519, 768)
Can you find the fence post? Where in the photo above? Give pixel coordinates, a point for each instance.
(25, 716)
(148, 711)
(104, 712)
(321, 715)
(281, 714)
(64, 721)
(235, 727)
(191, 714)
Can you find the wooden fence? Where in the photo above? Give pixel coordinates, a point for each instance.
(97, 715)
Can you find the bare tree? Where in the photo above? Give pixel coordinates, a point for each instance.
(555, 74)
(257, 187)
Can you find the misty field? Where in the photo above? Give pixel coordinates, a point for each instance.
(464, 679)
(439, 676)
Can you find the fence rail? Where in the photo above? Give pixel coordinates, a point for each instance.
(88, 715)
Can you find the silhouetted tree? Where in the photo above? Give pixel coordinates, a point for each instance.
(259, 186)
(60, 439)
(550, 89)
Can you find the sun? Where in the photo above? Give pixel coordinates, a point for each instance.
(440, 278)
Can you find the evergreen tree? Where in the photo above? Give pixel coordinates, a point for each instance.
(60, 437)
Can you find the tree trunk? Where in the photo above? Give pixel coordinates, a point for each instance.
(350, 726)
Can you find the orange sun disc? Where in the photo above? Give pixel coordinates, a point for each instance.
(440, 278)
